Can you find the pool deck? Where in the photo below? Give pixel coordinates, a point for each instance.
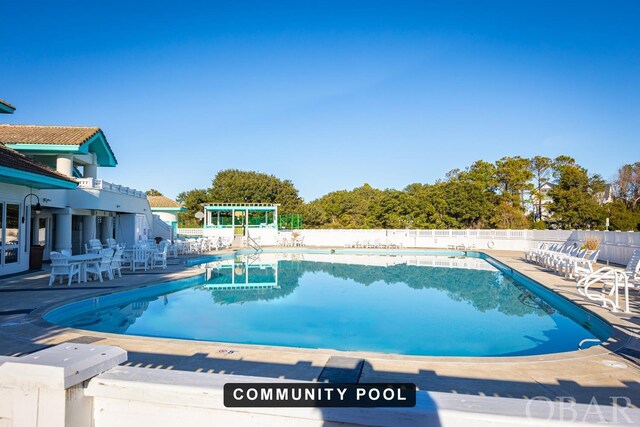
(599, 372)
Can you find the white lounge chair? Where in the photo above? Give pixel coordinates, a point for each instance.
(579, 267)
(61, 266)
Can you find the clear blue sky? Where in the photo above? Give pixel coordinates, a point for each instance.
(328, 94)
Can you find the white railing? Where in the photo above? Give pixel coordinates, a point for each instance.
(99, 184)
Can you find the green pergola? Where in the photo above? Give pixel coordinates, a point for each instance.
(241, 216)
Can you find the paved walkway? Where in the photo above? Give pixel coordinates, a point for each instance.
(600, 372)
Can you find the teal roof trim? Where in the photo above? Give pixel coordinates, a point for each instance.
(6, 109)
(30, 179)
(49, 148)
(96, 144)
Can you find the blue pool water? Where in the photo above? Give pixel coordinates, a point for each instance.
(406, 304)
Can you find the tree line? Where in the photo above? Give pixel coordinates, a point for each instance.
(510, 193)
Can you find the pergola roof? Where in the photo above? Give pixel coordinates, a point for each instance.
(242, 206)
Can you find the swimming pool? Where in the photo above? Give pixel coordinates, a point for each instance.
(403, 303)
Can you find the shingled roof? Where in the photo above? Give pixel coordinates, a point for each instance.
(37, 134)
(162, 202)
(12, 159)
(80, 139)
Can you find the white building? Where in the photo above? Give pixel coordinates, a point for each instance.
(166, 211)
(75, 205)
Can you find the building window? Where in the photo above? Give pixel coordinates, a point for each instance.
(10, 235)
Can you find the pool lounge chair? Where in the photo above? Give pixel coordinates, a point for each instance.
(612, 279)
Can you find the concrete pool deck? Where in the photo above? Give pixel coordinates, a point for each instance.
(599, 372)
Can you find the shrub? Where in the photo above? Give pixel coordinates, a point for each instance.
(591, 243)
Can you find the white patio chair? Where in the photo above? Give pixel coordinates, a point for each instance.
(116, 263)
(102, 265)
(172, 249)
(65, 252)
(93, 246)
(111, 243)
(160, 259)
(139, 258)
(61, 266)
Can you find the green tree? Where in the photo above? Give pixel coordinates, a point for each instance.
(236, 186)
(513, 176)
(193, 201)
(622, 217)
(153, 192)
(574, 198)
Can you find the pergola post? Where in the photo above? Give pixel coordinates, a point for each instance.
(275, 217)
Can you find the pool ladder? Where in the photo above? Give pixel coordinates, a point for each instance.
(253, 244)
(588, 340)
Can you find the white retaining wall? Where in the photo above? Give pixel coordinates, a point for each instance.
(80, 385)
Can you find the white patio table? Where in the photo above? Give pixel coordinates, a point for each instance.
(83, 260)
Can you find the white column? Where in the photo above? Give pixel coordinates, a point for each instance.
(63, 231)
(107, 227)
(88, 228)
(91, 171)
(64, 165)
(275, 217)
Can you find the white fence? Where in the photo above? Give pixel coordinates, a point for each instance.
(615, 246)
(439, 239)
(190, 231)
